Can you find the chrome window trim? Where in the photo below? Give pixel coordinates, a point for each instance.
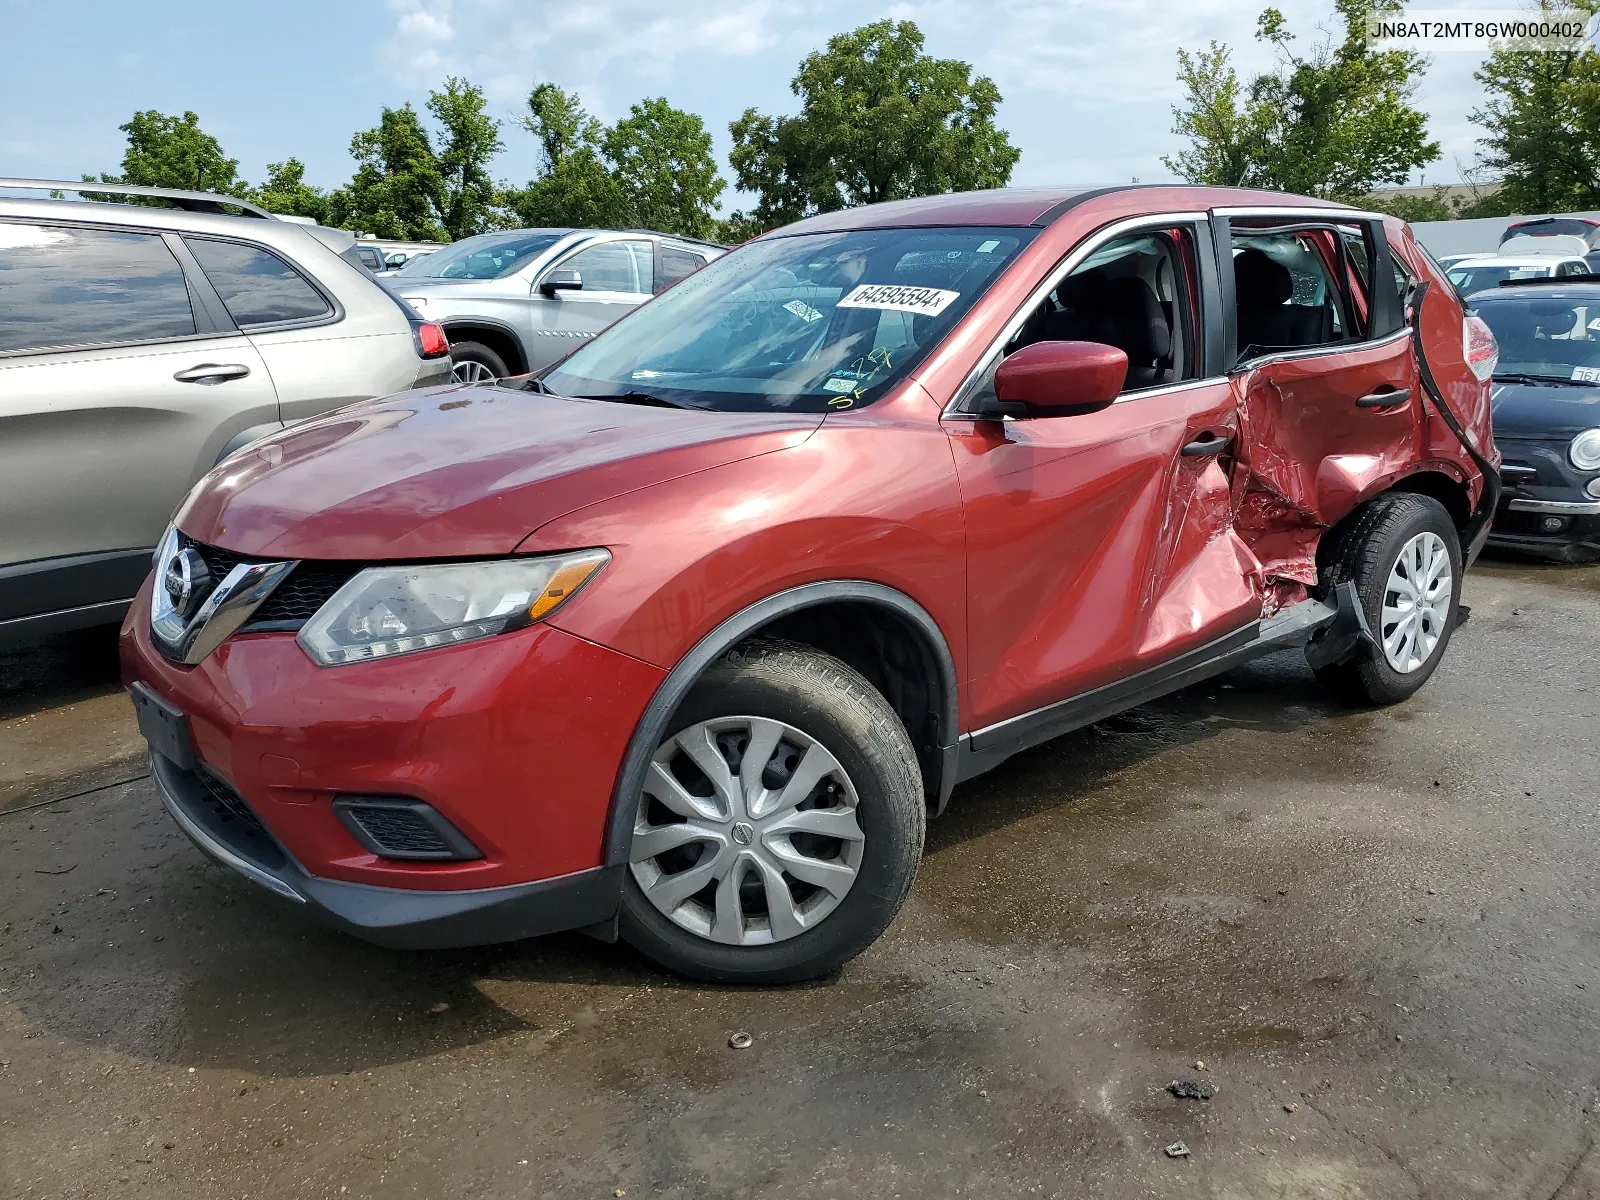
(1251, 364)
(1298, 213)
(1069, 263)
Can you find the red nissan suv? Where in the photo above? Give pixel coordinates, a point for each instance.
(684, 639)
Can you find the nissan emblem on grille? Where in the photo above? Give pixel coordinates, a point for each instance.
(187, 581)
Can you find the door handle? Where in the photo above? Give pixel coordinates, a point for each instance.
(1209, 444)
(211, 374)
(1390, 399)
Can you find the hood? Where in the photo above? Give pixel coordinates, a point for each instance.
(1554, 412)
(457, 471)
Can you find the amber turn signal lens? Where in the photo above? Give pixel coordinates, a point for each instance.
(569, 577)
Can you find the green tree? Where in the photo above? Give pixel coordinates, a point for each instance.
(560, 123)
(879, 120)
(174, 152)
(653, 168)
(661, 158)
(1541, 121)
(397, 190)
(470, 138)
(286, 191)
(1334, 122)
(574, 187)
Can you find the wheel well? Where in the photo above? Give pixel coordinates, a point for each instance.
(498, 340)
(895, 658)
(1446, 491)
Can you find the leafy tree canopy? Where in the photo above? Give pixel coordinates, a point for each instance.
(174, 152)
(470, 138)
(286, 191)
(397, 190)
(879, 120)
(1334, 122)
(1541, 121)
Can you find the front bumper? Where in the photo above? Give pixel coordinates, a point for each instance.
(1523, 525)
(515, 740)
(388, 916)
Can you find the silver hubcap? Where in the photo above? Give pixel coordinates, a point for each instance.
(746, 831)
(471, 372)
(1416, 602)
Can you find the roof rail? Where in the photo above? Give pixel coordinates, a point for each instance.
(208, 202)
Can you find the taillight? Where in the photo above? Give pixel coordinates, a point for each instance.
(431, 341)
(1482, 352)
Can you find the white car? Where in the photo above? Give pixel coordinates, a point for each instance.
(1491, 270)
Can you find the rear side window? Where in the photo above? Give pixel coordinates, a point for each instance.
(615, 267)
(1286, 296)
(258, 287)
(72, 287)
(677, 264)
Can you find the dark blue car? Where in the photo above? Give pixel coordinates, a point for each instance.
(1547, 415)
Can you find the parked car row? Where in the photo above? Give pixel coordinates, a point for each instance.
(517, 301)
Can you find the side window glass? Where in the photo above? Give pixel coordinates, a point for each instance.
(1134, 293)
(677, 264)
(76, 287)
(1285, 296)
(258, 287)
(615, 267)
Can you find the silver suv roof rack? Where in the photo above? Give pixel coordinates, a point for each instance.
(207, 202)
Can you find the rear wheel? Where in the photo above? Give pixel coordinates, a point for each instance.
(1402, 553)
(473, 362)
(780, 824)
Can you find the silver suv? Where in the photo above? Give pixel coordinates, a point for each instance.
(141, 345)
(518, 300)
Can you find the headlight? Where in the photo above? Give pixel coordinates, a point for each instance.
(385, 611)
(1585, 450)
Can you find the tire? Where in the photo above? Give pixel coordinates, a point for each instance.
(471, 359)
(796, 699)
(1366, 549)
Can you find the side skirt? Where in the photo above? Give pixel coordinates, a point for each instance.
(984, 749)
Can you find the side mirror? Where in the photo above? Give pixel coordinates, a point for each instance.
(1059, 379)
(561, 281)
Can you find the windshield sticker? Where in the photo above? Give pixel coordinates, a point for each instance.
(926, 302)
(838, 385)
(988, 247)
(1586, 374)
(803, 310)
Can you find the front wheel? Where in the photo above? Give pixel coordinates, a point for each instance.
(473, 362)
(780, 824)
(1402, 552)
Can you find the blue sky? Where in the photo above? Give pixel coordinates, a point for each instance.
(1088, 84)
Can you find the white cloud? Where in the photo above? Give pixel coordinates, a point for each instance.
(1088, 84)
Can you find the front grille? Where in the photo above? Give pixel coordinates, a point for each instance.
(294, 601)
(307, 588)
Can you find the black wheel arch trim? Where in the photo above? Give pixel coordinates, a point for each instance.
(463, 326)
(651, 727)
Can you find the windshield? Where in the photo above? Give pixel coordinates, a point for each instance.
(1476, 279)
(487, 256)
(1546, 336)
(809, 323)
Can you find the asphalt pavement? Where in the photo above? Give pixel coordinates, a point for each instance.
(1376, 931)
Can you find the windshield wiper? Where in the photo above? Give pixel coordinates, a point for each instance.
(1522, 377)
(643, 398)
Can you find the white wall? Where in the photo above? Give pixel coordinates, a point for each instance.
(1481, 235)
